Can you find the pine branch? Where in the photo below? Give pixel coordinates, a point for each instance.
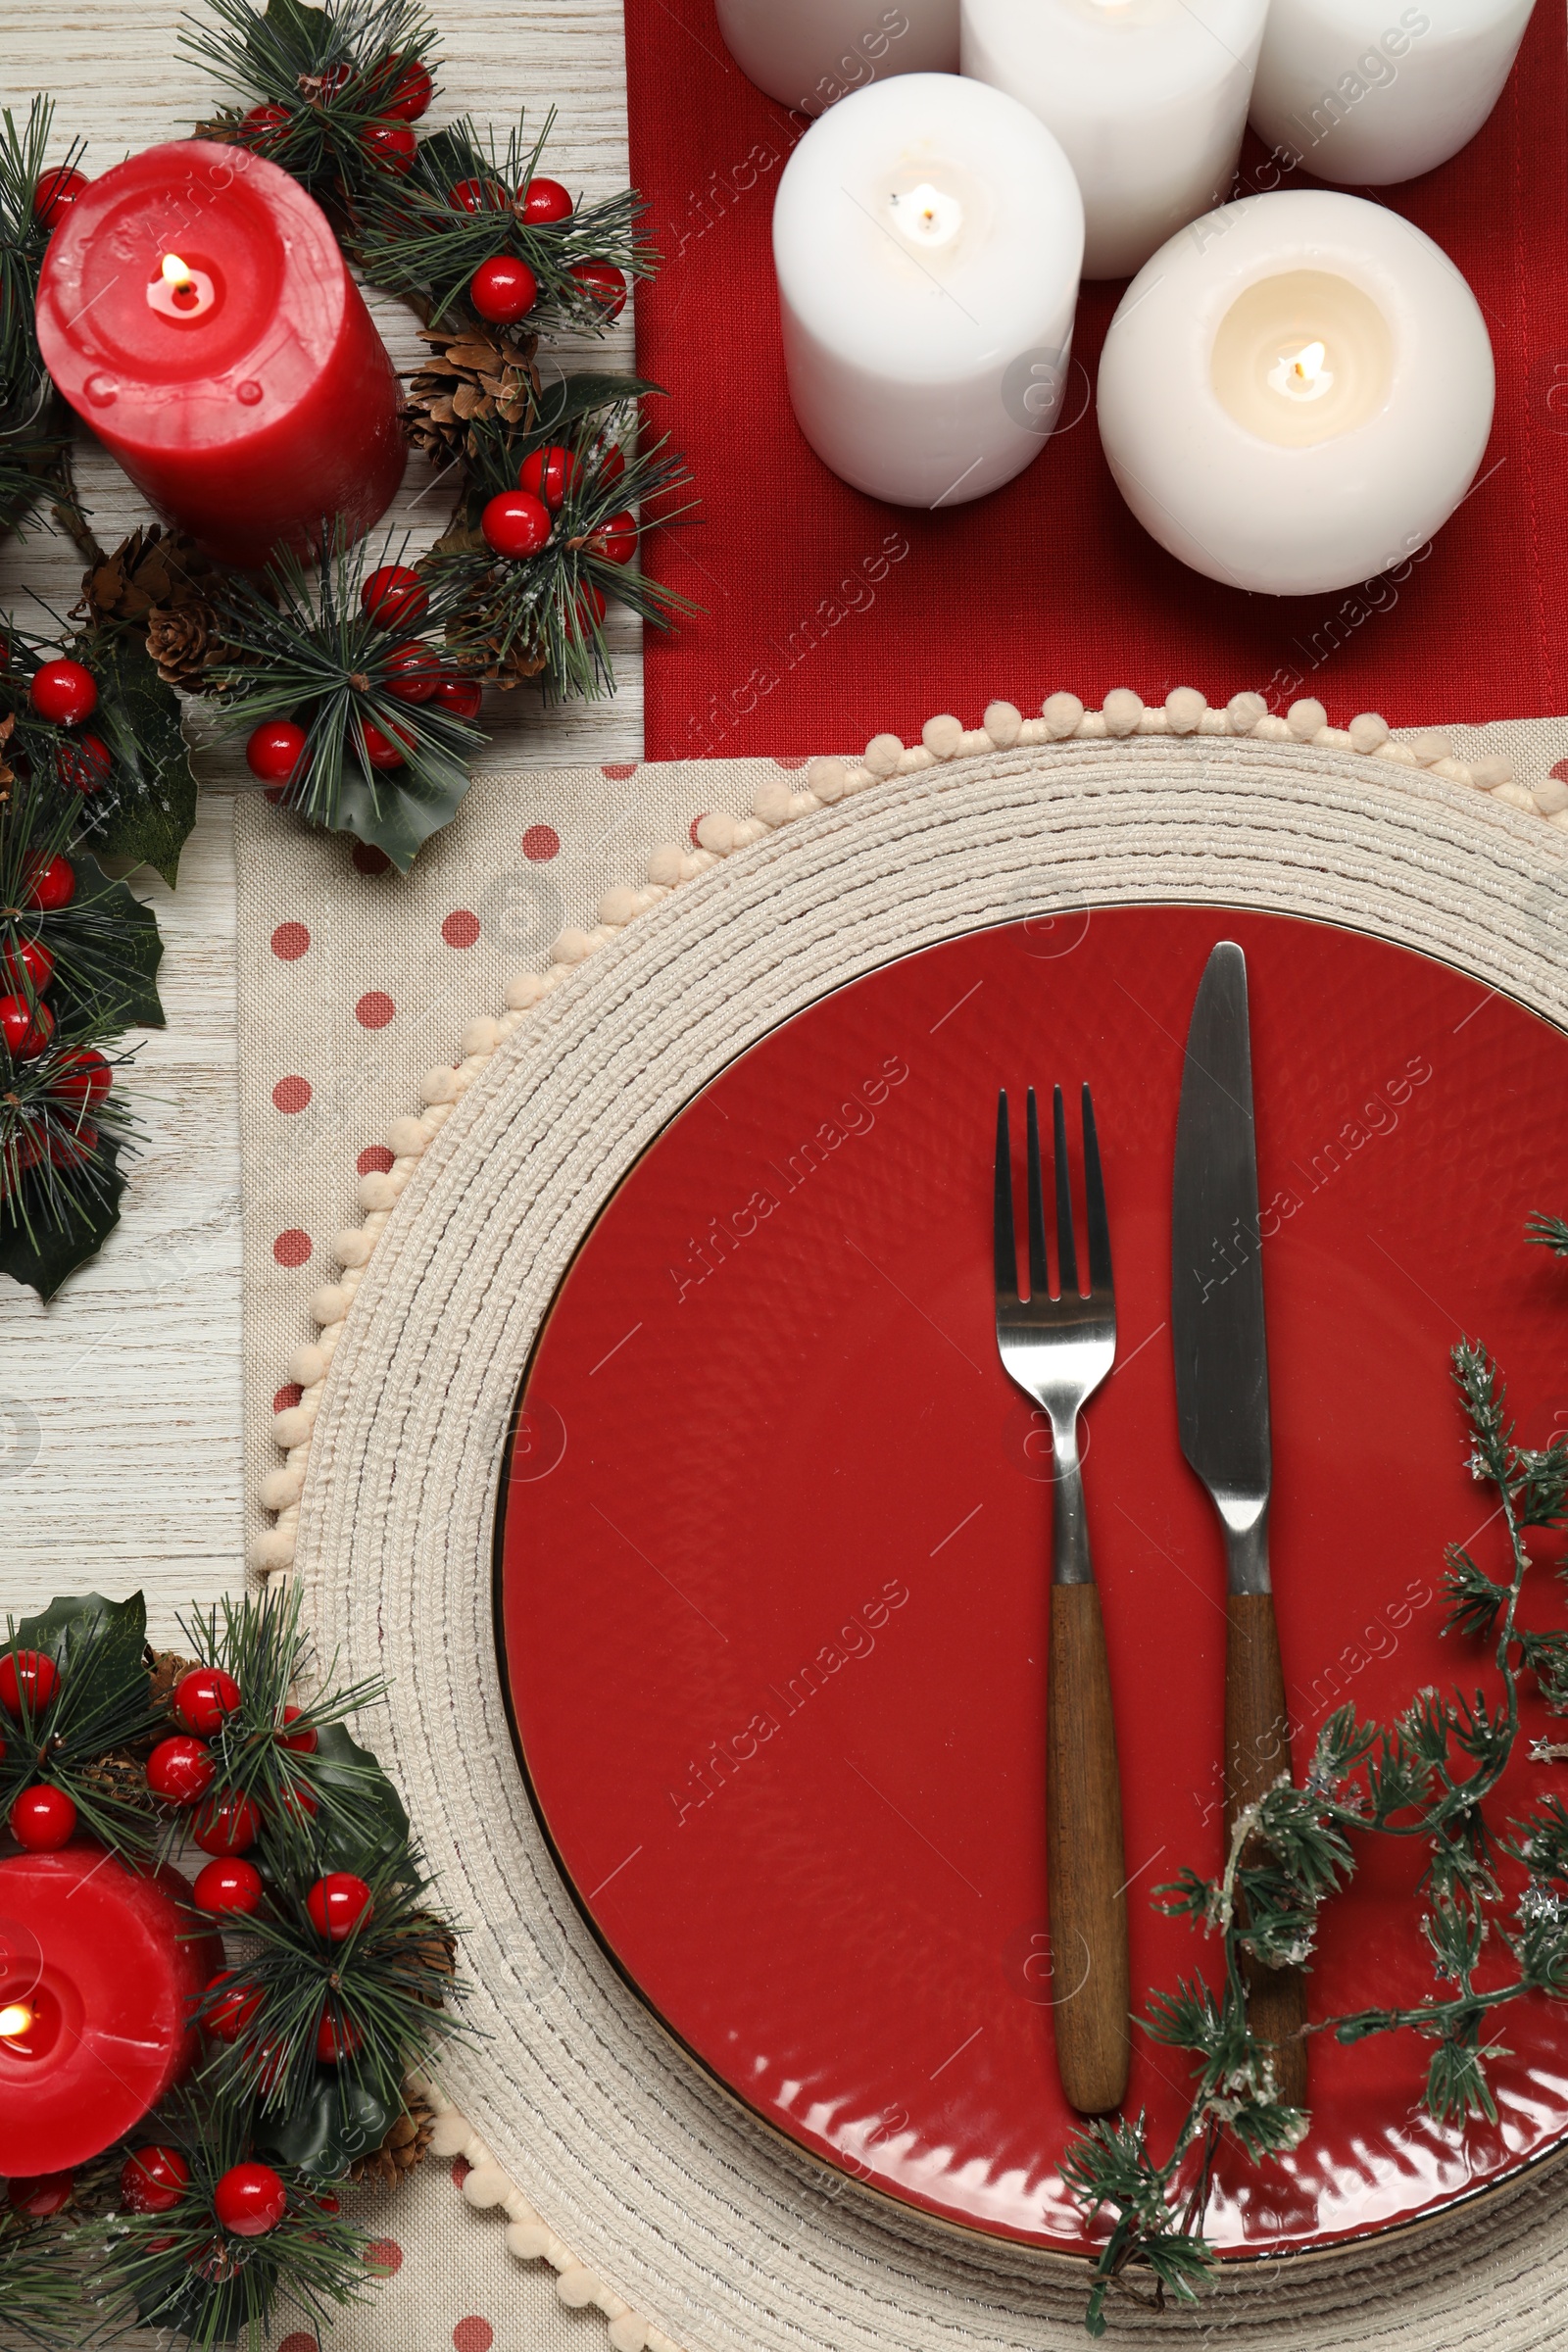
(34, 434)
(411, 238)
(1551, 1233)
(303, 648)
(101, 1705)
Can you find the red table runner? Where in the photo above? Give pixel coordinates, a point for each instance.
(827, 616)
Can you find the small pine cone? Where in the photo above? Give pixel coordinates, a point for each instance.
(403, 2146)
(122, 1773)
(154, 567)
(474, 374)
(184, 642)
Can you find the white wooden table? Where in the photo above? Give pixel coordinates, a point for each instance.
(119, 1402)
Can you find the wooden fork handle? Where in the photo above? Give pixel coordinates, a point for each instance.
(1086, 1872)
(1257, 1749)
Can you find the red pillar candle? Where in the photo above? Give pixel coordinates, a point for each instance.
(196, 310)
(95, 1993)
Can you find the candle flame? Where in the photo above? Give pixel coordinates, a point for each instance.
(928, 216)
(1301, 375)
(1308, 364)
(15, 2019)
(175, 272)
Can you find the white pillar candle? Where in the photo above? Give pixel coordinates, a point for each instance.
(1367, 92)
(1296, 392)
(1148, 98)
(928, 237)
(809, 53)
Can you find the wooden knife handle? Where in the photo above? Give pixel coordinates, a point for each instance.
(1086, 1872)
(1257, 1749)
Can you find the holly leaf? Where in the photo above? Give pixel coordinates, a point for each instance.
(293, 21)
(338, 2119)
(99, 1647)
(367, 1827)
(43, 1257)
(152, 807)
(399, 817)
(124, 968)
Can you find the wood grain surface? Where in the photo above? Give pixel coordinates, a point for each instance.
(119, 1402)
(1257, 1749)
(1086, 1874)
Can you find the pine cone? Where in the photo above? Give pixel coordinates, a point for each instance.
(473, 375)
(152, 568)
(121, 1772)
(184, 642)
(401, 2150)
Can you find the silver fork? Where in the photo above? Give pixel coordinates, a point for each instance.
(1058, 1350)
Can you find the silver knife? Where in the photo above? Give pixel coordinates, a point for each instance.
(1217, 1327)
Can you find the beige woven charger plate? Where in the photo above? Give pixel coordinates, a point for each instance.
(721, 2232)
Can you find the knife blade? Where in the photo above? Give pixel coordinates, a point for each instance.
(1222, 1404)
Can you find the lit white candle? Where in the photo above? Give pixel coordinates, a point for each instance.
(1367, 92)
(809, 53)
(928, 237)
(1296, 392)
(1148, 98)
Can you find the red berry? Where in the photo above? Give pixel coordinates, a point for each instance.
(30, 1676)
(303, 1744)
(414, 669)
(27, 963)
(266, 125)
(587, 610)
(336, 79)
(516, 523)
(604, 284)
(545, 200)
(337, 1903)
(335, 2038)
(382, 749)
(392, 144)
(40, 2195)
(26, 1028)
(153, 2179)
(42, 1819)
(395, 597)
(72, 1149)
(411, 92)
(479, 196)
(614, 539)
(204, 1697)
(84, 763)
(227, 1886)
(85, 1077)
(461, 696)
(249, 2200)
(551, 474)
(64, 692)
(612, 463)
(179, 1770)
(503, 289)
(56, 191)
(272, 750)
(51, 885)
(297, 1798)
(232, 2012)
(226, 1825)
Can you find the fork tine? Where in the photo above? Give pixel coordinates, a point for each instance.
(1067, 1247)
(1039, 1270)
(1100, 1275)
(1006, 1246)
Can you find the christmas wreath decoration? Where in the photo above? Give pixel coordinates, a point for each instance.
(319, 1975)
(357, 687)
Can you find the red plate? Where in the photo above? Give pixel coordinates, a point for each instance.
(775, 1543)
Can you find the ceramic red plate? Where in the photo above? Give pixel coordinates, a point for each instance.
(775, 1553)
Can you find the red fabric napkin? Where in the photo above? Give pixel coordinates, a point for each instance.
(828, 616)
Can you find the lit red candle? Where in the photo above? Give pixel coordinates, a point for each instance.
(196, 310)
(95, 1993)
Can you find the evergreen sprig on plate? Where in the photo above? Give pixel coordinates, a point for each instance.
(1427, 1777)
(463, 202)
(310, 650)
